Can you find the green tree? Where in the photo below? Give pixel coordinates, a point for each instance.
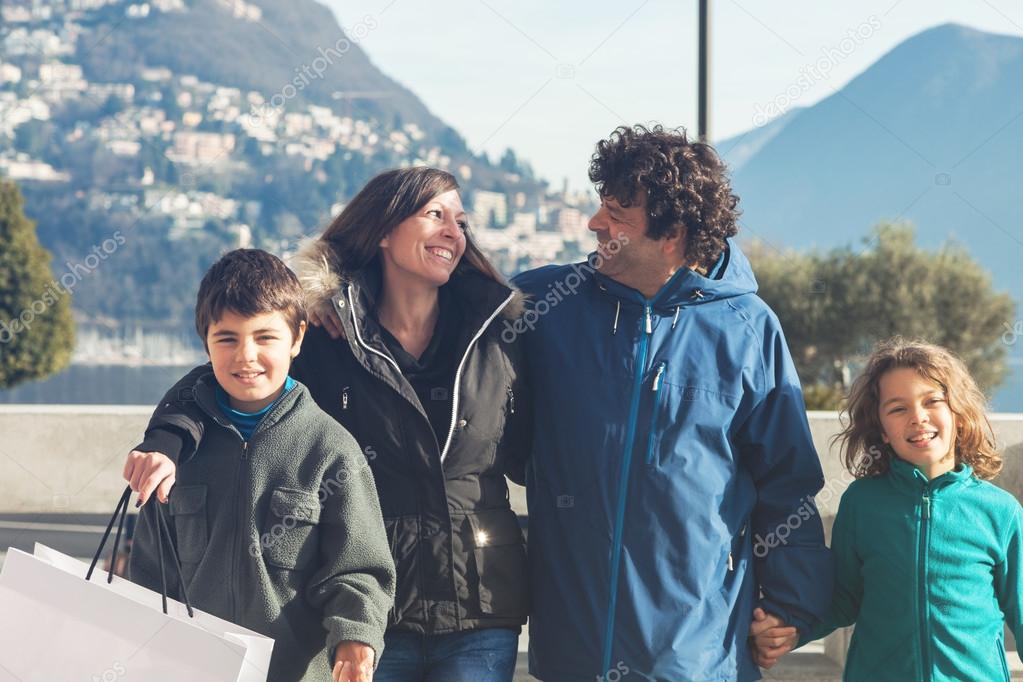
(835, 306)
(36, 329)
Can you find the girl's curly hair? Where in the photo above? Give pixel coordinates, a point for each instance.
(864, 451)
(686, 186)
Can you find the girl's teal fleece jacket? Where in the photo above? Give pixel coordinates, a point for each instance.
(928, 571)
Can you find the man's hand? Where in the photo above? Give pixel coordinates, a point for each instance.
(328, 319)
(353, 662)
(147, 472)
(770, 638)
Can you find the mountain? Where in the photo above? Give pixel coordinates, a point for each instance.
(209, 39)
(931, 133)
(741, 148)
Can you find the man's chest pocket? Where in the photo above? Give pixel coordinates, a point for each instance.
(688, 423)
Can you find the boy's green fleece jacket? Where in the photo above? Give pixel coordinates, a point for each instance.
(928, 571)
(281, 534)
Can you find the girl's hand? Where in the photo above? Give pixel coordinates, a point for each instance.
(770, 638)
(327, 318)
(147, 472)
(353, 662)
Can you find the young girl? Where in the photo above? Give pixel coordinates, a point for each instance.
(928, 553)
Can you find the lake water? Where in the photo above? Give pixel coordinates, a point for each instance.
(98, 385)
(132, 385)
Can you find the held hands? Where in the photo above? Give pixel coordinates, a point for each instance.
(770, 638)
(353, 662)
(147, 472)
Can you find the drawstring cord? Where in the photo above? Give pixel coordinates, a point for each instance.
(696, 295)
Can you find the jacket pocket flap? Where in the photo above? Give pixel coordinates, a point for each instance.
(494, 528)
(296, 504)
(187, 499)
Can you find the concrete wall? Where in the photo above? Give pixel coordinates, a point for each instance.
(68, 458)
(65, 458)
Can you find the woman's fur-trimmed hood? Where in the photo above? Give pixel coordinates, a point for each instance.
(323, 278)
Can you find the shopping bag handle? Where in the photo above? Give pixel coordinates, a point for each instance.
(162, 529)
(120, 511)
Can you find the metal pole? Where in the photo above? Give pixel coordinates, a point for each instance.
(703, 94)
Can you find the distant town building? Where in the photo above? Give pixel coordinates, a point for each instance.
(156, 74)
(201, 148)
(523, 224)
(99, 92)
(241, 9)
(24, 168)
(138, 11)
(14, 112)
(60, 81)
(168, 5)
(9, 73)
(124, 147)
(490, 209)
(572, 224)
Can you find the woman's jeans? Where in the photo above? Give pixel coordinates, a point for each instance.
(486, 655)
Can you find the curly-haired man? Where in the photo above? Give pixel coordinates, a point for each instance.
(672, 476)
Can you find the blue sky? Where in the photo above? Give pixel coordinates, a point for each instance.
(548, 79)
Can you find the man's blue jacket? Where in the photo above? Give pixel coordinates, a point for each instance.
(672, 476)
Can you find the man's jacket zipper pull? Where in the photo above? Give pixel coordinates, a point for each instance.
(657, 377)
(649, 321)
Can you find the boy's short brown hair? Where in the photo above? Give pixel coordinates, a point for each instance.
(248, 282)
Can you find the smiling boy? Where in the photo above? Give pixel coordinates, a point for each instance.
(276, 518)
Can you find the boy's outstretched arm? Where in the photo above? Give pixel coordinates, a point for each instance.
(355, 583)
(172, 436)
(176, 427)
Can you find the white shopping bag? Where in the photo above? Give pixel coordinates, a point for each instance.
(56, 626)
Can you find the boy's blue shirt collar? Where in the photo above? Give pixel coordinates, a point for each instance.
(246, 422)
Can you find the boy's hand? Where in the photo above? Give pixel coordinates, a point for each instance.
(770, 638)
(328, 319)
(147, 472)
(353, 662)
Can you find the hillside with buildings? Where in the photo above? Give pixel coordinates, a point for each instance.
(142, 135)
